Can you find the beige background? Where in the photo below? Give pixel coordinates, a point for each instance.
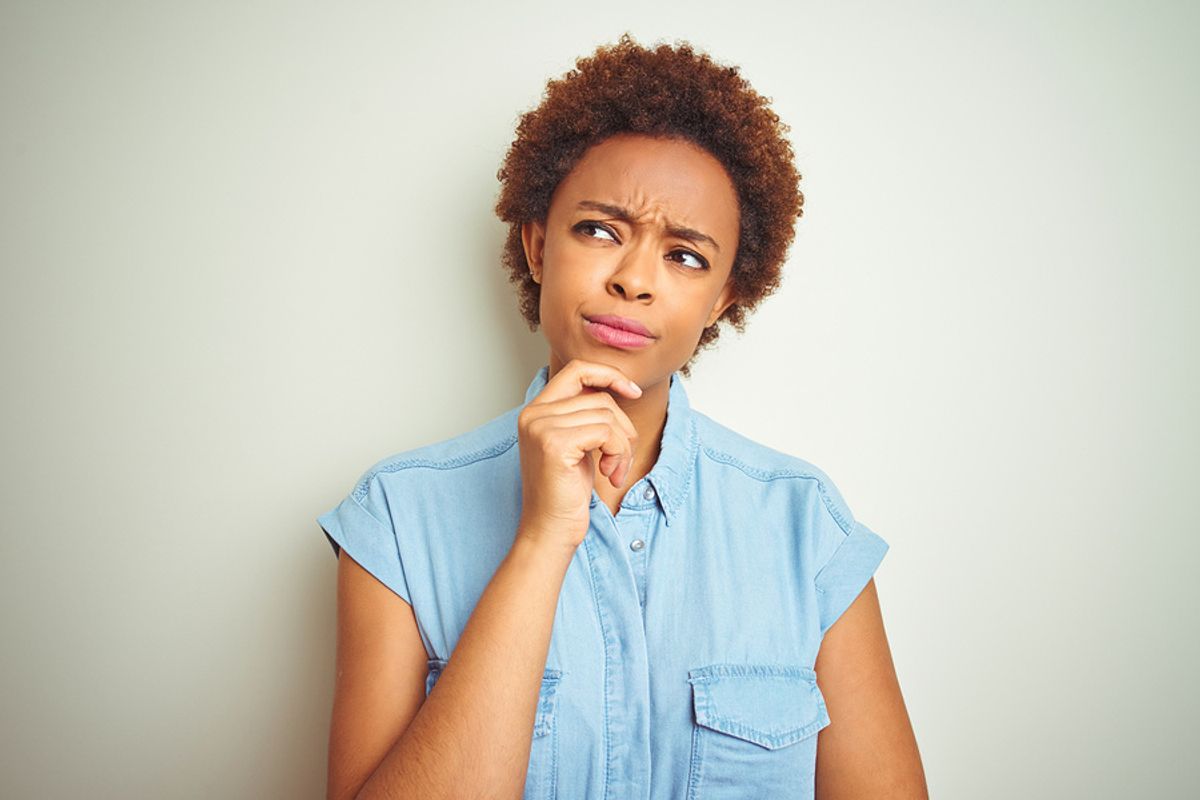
(248, 249)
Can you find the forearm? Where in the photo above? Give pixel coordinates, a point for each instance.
(472, 735)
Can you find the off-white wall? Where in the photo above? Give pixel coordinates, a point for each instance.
(248, 248)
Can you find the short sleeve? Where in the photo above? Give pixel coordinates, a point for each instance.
(847, 571)
(365, 538)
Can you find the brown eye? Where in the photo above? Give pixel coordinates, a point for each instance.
(589, 225)
(703, 264)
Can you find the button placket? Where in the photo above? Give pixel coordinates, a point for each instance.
(639, 526)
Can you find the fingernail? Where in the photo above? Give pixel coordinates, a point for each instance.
(635, 387)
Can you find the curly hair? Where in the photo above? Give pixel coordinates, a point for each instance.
(661, 92)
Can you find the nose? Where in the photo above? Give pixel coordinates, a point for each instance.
(636, 272)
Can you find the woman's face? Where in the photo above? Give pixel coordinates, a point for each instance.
(645, 229)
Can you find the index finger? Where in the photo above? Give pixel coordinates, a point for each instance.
(571, 379)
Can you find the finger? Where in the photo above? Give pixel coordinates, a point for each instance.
(592, 400)
(617, 476)
(578, 374)
(627, 470)
(602, 436)
(616, 466)
(597, 436)
(602, 414)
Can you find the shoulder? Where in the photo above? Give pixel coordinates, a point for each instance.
(754, 461)
(480, 447)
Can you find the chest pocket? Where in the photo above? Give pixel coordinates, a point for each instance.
(542, 778)
(755, 731)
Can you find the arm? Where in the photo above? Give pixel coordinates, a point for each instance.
(471, 736)
(380, 684)
(868, 750)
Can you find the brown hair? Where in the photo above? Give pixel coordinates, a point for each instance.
(667, 92)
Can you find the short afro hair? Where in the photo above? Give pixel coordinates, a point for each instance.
(662, 92)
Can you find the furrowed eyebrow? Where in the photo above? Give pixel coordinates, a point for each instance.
(625, 215)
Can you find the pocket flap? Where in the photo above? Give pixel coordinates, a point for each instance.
(546, 695)
(772, 705)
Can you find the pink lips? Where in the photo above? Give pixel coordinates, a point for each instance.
(618, 331)
(624, 323)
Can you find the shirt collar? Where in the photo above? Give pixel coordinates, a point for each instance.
(671, 475)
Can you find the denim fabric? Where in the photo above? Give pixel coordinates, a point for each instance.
(681, 663)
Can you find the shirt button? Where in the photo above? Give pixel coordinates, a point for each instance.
(649, 493)
(636, 544)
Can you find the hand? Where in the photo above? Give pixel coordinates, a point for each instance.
(558, 431)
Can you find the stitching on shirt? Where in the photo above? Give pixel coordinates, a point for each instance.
(604, 636)
(697, 760)
(769, 475)
(690, 469)
(360, 491)
(713, 672)
(554, 761)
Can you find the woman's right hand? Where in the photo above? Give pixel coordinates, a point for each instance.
(557, 432)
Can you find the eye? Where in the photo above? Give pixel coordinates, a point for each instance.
(703, 264)
(589, 225)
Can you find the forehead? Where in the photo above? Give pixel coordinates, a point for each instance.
(669, 178)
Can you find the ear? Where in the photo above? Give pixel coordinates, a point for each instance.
(724, 300)
(533, 239)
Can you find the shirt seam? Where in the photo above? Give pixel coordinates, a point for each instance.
(844, 522)
(693, 445)
(451, 462)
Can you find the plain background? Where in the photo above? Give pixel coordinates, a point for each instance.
(249, 249)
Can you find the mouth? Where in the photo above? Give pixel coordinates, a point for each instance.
(618, 331)
(621, 323)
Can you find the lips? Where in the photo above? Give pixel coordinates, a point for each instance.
(620, 323)
(607, 329)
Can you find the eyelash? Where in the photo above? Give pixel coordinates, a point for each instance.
(589, 224)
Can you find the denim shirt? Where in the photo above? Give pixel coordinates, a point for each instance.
(681, 662)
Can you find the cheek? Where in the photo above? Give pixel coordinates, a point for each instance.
(555, 303)
(567, 281)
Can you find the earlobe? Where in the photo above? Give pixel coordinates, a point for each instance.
(533, 239)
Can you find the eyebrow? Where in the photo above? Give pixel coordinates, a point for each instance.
(625, 215)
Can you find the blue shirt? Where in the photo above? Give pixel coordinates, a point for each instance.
(681, 663)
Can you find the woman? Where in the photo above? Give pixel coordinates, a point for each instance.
(603, 592)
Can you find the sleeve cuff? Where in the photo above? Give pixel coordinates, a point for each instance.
(368, 541)
(845, 575)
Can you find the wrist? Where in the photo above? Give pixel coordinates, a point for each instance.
(538, 543)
